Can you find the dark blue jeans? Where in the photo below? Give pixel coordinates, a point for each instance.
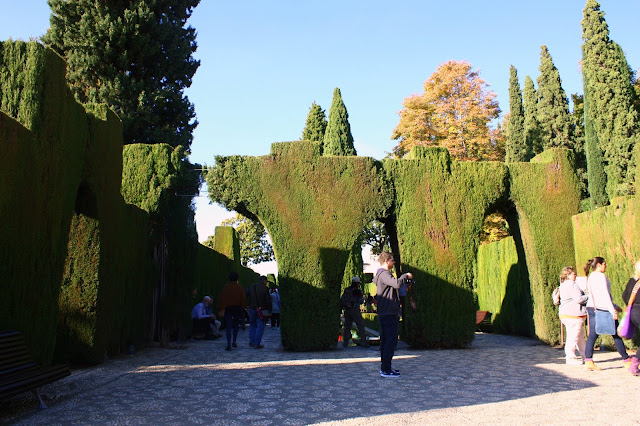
(388, 340)
(232, 317)
(591, 340)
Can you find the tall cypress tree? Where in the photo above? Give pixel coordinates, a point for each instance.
(337, 138)
(577, 130)
(596, 177)
(135, 56)
(611, 119)
(516, 149)
(531, 125)
(316, 124)
(553, 106)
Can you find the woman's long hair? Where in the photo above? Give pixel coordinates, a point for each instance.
(592, 263)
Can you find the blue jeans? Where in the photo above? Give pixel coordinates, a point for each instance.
(232, 317)
(388, 340)
(591, 340)
(256, 327)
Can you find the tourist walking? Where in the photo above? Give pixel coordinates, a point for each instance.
(259, 303)
(275, 309)
(599, 289)
(231, 305)
(573, 313)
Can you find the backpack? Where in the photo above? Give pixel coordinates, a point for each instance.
(556, 296)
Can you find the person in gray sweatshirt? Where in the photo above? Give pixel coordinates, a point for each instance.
(388, 303)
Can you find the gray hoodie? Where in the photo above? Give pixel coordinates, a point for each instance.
(387, 286)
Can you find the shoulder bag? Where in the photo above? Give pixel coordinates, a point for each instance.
(263, 313)
(627, 328)
(605, 324)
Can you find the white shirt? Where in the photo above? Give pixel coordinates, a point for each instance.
(599, 289)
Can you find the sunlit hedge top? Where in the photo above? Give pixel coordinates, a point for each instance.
(304, 199)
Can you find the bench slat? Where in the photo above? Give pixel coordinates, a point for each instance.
(18, 372)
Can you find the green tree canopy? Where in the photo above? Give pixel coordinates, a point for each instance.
(516, 148)
(337, 138)
(316, 124)
(553, 106)
(210, 242)
(135, 56)
(611, 119)
(531, 124)
(376, 236)
(577, 129)
(254, 246)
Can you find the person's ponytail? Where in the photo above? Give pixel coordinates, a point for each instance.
(592, 263)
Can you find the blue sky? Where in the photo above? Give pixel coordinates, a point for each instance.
(265, 62)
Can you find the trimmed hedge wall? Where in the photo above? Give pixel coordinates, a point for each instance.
(42, 146)
(440, 205)
(77, 276)
(546, 195)
(610, 232)
(307, 204)
(226, 243)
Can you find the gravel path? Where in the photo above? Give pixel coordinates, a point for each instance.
(499, 380)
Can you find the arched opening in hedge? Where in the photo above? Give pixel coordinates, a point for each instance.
(502, 280)
(77, 318)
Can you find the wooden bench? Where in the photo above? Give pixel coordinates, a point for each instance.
(483, 320)
(19, 373)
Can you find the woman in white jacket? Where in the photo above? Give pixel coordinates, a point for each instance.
(572, 315)
(599, 289)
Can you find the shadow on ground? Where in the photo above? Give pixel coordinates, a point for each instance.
(205, 384)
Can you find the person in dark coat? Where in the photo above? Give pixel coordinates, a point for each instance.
(259, 302)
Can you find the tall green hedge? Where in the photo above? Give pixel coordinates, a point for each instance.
(546, 195)
(440, 207)
(610, 232)
(109, 265)
(77, 275)
(226, 243)
(354, 266)
(314, 209)
(43, 134)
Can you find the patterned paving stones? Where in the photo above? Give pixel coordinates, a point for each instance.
(499, 380)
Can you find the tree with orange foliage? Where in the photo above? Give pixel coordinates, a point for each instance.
(454, 112)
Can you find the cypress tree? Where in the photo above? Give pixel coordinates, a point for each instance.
(577, 130)
(136, 57)
(596, 178)
(531, 125)
(337, 138)
(516, 149)
(316, 124)
(553, 106)
(611, 119)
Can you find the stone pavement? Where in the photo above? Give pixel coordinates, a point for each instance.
(499, 380)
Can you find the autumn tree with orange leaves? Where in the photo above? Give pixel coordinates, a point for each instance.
(454, 112)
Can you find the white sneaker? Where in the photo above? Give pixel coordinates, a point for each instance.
(574, 361)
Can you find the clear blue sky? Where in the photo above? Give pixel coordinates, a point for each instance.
(265, 62)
